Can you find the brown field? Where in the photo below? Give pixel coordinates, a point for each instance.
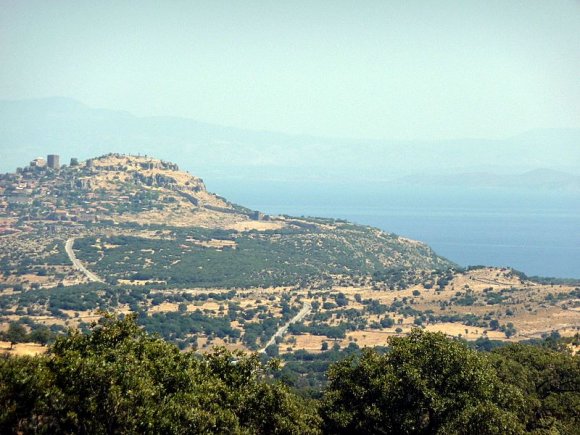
(22, 349)
(525, 306)
(140, 282)
(213, 243)
(464, 331)
(249, 225)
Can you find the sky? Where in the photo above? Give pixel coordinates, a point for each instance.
(409, 70)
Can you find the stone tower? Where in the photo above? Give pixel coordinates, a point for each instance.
(53, 161)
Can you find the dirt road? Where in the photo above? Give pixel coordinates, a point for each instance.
(282, 330)
(68, 247)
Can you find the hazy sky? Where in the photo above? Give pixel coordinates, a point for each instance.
(381, 69)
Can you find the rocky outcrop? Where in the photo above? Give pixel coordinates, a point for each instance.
(159, 164)
(189, 197)
(82, 183)
(155, 180)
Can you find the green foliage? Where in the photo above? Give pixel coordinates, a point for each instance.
(76, 297)
(178, 325)
(306, 371)
(300, 254)
(397, 277)
(425, 384)
(273, 351)
(22, 381)
(16, 333)
(466, 300)
(117, 379)
(338, 331)
(483, 418)
(550, 381)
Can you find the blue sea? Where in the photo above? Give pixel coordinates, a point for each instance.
(536, 232)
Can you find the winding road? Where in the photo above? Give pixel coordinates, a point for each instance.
(304, 311)
(282, 330)
(68, 247)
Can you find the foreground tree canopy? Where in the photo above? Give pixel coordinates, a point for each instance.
(425, 384)
(118, 379)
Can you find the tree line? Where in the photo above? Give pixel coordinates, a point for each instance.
(118, 379)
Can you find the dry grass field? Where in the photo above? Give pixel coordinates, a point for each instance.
(22, 349)
(532, 309)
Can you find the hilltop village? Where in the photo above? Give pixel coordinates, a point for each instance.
(49, 191)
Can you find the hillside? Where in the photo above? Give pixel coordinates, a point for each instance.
(136, 234)
(117, 205)
(117, 188)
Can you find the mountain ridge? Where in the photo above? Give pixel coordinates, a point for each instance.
(540, 178)
(65, 125)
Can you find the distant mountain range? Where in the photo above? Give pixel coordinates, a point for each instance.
(535, 179)
(67, 127)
